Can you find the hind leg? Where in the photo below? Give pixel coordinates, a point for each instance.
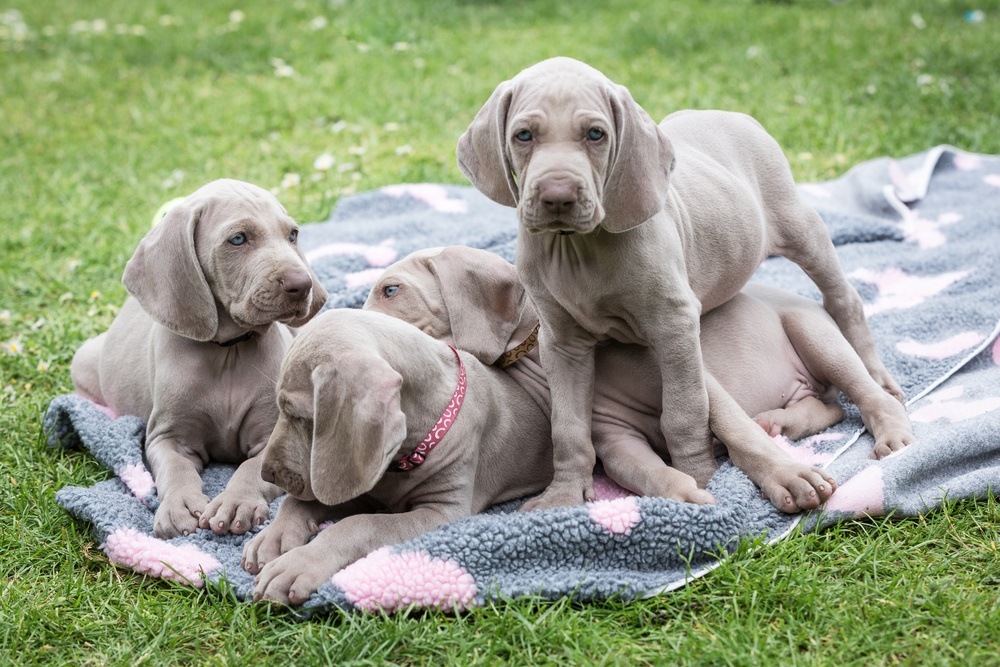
(84, 370)
(804, 240)
(802, 419)
(828, 355)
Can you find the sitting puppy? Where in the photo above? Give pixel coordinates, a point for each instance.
(371, 406)
(774, 355)
(196, 349)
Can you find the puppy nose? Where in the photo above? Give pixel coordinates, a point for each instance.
(297, 284)
(558, 196)
(267, 473)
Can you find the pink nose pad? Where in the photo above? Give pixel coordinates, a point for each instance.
(296, 284)
(558, 196)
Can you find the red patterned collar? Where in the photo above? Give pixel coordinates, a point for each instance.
(415, 458)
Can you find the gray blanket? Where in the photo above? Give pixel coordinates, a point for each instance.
(920, 239)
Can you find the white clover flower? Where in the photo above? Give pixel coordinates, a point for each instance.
(400, 46)
(38, 324)
(290, 181)
(357, 150)
(324, 162)
(404, 149)
(99, 25)
(364, 48)
(338, 127)
(346, 167)
(318, 23)
(236, 16)
(138, 30)
(805, 157)
(918, 21)
(753, 52)
(4, 316)
(925, 80)
(390, 127)
(79, 26)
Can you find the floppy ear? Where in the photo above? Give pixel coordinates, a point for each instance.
(636, 186)
(486, 304)
(358, 425)
(482, 149)
(165, 276)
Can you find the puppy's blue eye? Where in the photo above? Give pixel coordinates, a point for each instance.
(293, 235)
(523, 135)
(595, 134)
(390, 290)
(239, 239)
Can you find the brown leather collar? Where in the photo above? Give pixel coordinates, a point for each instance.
(523, 348)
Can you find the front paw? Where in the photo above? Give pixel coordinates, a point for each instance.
(701, 468)
(562, 494)
(292, 578)
(235, 513)
(273, 541)
(178, 514)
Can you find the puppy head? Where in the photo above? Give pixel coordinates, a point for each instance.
(469, 298)
(228, 247)
(340, 424)
(570, 149)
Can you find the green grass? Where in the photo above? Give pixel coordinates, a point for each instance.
(98, 128)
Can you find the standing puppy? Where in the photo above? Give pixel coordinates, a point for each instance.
(630, 231)
(195, 350)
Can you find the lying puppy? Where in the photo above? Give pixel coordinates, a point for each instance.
(774, 353)
(196, 349)
(372, 407)
(630, 231)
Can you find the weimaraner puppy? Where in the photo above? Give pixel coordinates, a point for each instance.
(630, 231)
(373, 409)
(774, 354)
(196, 349)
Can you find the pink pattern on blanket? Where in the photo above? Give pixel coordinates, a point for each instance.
(944, 404)
(435, 196)
(967, 161)
(805, 452)
(899, 290)
(996, 352)
(816, 190)
(617, 516)
(606, 488)
(381, 255)
(927, 233)
(138, 480)
(111, 414)
(862, 495)
(364, 278)
(389, 581)
(184, 563)
(992, 179)
(942, 349)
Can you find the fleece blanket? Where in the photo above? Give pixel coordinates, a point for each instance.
(920, 239)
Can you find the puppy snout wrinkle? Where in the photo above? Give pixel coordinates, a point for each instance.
(296, 284)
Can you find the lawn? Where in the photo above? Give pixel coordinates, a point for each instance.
(108, 108)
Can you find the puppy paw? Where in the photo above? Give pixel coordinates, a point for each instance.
(292, 578)
(701, 468)
(562, 495)
(235, 513)
(178, 515)
(889, 443)
(793, 487)
(272, 542)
